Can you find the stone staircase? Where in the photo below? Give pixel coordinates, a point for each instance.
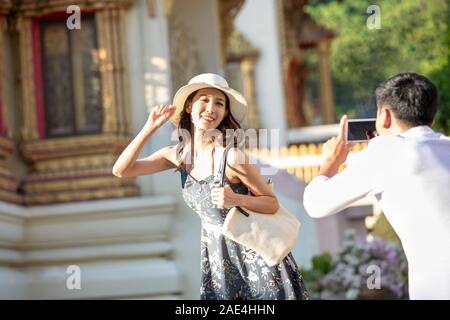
(120, 247)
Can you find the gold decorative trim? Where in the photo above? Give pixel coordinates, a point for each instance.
(63, 147)
(119, 68)
(6, 146)
(78, 184)
(124, 72)
(77, 163)
(10, 196)
(29, 130)
(90, 173)
(8, 185)
(114, 24)
(5, 173)
(8, 181)
(112, 55)
(106, 66)
(34, 8)
(80, 195)
(4, 109)
(71, 173)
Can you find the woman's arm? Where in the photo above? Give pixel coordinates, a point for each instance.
(240, 168)
(127, 165)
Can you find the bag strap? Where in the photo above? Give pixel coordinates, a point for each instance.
(223, 164)
(221, 175)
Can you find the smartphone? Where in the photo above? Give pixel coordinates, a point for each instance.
(360, 130)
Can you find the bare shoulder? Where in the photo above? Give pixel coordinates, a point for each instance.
(240, 168)
(237, 157)
(238, 165)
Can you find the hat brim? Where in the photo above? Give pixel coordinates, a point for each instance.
(238, 104)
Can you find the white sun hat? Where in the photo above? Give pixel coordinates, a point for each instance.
(238, 104)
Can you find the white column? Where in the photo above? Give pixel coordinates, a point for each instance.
(149, 65)
(268, 71)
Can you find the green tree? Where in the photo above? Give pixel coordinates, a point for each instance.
(441, 78)
(413, 37)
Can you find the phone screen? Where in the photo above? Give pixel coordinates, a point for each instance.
(361, 129)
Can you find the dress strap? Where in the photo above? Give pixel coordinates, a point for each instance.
(183, 175)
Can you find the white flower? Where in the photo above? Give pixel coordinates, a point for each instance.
(261, 262)
(249, 257)
(252, 276)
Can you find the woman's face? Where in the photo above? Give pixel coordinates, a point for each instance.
(208, 108)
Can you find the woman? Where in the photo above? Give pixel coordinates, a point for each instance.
(229, 270)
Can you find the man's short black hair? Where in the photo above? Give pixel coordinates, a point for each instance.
(411, 97)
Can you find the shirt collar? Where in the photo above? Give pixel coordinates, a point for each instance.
(419, 131)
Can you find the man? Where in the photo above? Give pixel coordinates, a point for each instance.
(407, 167)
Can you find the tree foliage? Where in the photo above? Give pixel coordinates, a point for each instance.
(414, 37)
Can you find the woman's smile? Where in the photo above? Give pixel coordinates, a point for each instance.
(207, 118)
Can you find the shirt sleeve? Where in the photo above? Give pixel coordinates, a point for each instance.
(325, 196)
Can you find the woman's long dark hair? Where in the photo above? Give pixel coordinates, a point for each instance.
(185, 143)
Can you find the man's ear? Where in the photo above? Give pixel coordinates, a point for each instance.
(386, 117)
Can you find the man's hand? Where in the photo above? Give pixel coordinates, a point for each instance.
(335, 151)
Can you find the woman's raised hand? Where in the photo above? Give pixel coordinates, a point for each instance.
(159, 115)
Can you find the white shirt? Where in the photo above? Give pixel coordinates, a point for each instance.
(409, 174)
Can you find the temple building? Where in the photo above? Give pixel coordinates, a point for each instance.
(72, 97)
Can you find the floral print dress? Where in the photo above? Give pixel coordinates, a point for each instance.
(230, 270)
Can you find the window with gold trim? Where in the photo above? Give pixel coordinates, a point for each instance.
(70, 78)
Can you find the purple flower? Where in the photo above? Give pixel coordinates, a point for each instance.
(350, 271)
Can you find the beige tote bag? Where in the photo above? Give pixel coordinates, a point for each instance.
(272, 236)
